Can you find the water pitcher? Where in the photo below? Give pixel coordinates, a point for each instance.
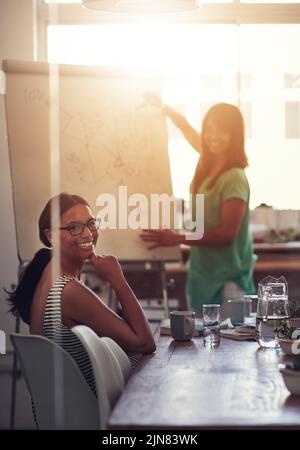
(272, 310)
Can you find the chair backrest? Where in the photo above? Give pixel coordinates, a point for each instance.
(120, 356)
(62, 398)
(107, 371)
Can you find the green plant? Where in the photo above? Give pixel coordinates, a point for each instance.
(285, 332)
(295, 308)
(283, 235)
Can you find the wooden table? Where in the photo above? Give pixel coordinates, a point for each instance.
(187, 386)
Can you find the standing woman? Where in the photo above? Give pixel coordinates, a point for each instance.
(220, 264)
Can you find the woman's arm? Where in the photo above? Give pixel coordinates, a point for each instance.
(191, 135)
(83, 306)
(232, 214)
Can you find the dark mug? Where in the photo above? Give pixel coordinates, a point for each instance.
(236, 311)
(182, 325)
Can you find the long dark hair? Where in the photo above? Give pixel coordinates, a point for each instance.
(21, 298)
(228, 118)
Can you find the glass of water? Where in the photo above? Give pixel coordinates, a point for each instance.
(211, 325)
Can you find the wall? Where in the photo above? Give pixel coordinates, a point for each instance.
(16, 42)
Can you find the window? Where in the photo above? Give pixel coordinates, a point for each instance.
(292, 120)
(268, 53)
(270, 1)
(253, 65)
(246, 109)
(292, 81)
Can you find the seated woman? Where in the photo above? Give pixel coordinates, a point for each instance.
(52, 306)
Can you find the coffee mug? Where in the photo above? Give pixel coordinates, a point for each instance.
(236, 311)
(182, 325)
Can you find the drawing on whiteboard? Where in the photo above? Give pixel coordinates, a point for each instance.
(113, 142)
(99, 142)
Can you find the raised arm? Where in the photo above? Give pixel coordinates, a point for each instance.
(191, 135)
(83, 306)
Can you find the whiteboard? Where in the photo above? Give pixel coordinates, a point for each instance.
(108, 138)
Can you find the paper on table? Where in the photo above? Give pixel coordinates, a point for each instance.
(246, 329)
(237, 336)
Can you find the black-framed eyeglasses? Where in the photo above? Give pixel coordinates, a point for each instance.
(77, 228)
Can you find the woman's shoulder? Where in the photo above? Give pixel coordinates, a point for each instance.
(75, 292)
(79, 301)
(234, 183)
(72, 285)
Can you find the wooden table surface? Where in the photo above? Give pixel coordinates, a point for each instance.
(187, 386)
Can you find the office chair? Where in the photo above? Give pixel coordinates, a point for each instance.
(107, 371)
(120, 356)
(61, 396)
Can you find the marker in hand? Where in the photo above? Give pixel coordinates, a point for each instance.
(150, 99)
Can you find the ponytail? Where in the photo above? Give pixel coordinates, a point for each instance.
(21, 298)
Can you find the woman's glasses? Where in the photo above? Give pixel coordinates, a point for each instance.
(77, 228)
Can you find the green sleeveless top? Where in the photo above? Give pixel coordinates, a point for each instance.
(210, 267)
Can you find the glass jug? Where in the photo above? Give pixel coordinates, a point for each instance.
(272, 310)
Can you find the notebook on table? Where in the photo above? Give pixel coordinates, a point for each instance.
(241, 333)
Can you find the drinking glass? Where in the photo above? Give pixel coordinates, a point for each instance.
(211, 325)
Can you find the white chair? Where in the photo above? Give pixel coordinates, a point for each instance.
(107, 371)
(61, 396)
(120, 356)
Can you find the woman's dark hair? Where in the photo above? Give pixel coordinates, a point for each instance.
(21, 298)
(229, 119)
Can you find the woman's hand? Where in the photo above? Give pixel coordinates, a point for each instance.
(165, 238)
(191, 135)
(153, 99)
(107, 267)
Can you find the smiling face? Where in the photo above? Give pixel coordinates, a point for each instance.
(79, 247)
(216, 139)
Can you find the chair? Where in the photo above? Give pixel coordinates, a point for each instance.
(62, 398)
(107, 371)
(120, 356)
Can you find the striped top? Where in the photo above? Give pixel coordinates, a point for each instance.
(54, 329)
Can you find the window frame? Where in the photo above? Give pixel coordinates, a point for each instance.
(227, 13)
